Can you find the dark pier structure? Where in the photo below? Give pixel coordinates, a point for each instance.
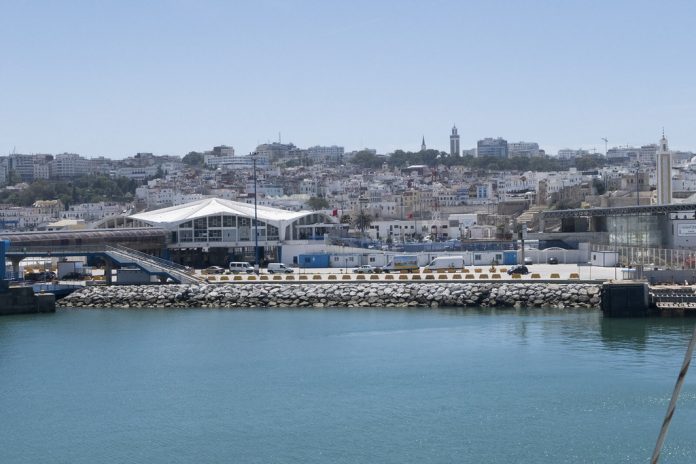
(21, 300)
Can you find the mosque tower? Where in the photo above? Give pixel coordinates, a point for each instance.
(664, 172)
(454, 142)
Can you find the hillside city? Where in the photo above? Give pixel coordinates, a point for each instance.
(483, 192)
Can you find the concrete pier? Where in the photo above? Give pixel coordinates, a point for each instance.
(22, 300)
(625, 299)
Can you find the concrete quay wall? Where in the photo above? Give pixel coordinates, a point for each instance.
(346, 295)
(22, 300)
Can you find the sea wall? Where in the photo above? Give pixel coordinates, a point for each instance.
(562, 295)
(22, 300)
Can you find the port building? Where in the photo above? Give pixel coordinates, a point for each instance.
(217, 231)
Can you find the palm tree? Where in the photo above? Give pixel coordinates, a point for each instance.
(362, 221)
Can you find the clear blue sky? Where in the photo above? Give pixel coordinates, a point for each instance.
(117, 77)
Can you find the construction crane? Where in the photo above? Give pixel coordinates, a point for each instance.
(605, 145)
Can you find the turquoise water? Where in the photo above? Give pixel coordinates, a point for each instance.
(340, 386)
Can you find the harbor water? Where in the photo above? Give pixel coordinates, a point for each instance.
(341, 386)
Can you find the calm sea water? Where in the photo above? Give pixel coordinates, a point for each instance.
(340, 386)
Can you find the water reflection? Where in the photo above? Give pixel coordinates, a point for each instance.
(640, 334)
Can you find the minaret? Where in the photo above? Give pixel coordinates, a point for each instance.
(454, 142)
(664, 172)
(423, 144)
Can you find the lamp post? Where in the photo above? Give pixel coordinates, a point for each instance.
(256, 220)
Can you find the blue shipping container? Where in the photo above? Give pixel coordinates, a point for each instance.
(510, 257)
(313, 261)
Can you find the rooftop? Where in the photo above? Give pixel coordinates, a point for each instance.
(212, 206)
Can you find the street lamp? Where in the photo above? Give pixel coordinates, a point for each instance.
(256, 219)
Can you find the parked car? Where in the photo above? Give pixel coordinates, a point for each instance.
(552, 260)
(215, 270)
(519, 269)
(364, 269)
(239, 266)
(528, 260)
(73, 276)
(40, 276)
(279, 267)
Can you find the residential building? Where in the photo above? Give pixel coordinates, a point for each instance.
(319, 154)
(67, 165)
(523, 149)
(572, 153)
(497, 148)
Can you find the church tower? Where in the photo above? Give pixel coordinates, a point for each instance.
(454, 142)
(423, 144)
(664, 173)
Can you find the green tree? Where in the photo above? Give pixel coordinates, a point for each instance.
(193, 159)
(316, 203)
(346, 219)
(82, 189)
(366, 160)
(599, 186)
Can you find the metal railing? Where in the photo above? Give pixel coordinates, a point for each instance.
(148, 258)
(652, 257)
(177, 270)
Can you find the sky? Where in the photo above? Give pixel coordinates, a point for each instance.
(115, 78)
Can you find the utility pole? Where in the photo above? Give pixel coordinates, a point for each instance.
(256, 220)
(637, 189)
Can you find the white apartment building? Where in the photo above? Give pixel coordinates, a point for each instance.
(524, 149)
(318, 154)
(66, 165)
(627, 152)
(91, 212)
(409, 229)
(137, 173)
(571, 153)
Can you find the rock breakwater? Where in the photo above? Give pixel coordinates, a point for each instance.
(337, 295)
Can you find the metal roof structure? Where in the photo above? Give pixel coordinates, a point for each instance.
(215, 206)
(618, 211)
(147, 237)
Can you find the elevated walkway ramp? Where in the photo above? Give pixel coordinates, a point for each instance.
(151, 264)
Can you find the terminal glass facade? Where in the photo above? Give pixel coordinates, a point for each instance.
(639, 230)
(224, 229)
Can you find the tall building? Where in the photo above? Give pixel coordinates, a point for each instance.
(497, 148)
(423, 148)
(523, 149)
(276, 151)
(647, 154)
(68, 165)
(320, 154)
(454, 142)
(664, 173)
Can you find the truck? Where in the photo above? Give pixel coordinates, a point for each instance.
(442, 263)
(402, 263)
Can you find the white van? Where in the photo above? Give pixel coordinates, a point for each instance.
(442, 263)
(237, 267)
(280, 268)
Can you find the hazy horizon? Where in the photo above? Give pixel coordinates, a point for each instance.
(117, 78)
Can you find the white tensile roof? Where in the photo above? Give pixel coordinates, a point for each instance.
(214, 206)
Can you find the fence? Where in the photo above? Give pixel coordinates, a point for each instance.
(652, 257)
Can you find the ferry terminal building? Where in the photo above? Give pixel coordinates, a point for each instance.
(214, 231)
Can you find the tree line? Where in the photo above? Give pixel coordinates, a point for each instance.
(433, 158)
(82, 189)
